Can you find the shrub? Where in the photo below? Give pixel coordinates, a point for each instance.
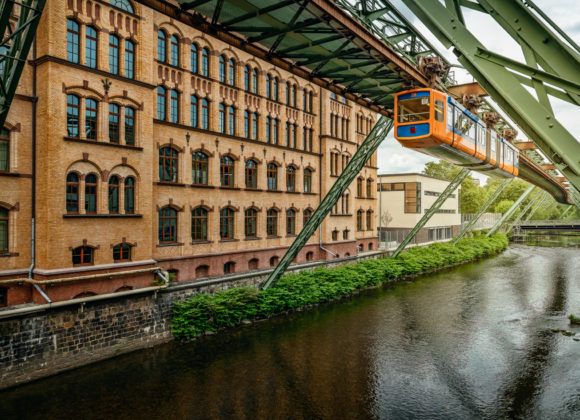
(574, 319)
(201, 313)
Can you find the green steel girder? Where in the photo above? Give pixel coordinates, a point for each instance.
(548, 51)
(483, 208)
(566, 212)
(511, 211)
(539, 197)
(433, 209)
(15, 46)
(354, 166)
(540, 205)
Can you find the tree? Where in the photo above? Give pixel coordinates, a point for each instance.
(386, 218)
(503, 206)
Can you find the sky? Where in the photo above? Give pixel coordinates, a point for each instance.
(393, 158)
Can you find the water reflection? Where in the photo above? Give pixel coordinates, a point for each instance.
(474, 342)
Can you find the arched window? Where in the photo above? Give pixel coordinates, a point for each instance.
(253, 264)
(305, 100)
(309, 256)
(161, 95)
(272, 222)
(174, 50)
(129, 126)
(232, 120)
(161, 46)
(82, 255)
(4, 150)
(232, 72)
(72, 193)
(91, 194)
(226, 171)
(174, 107)
(222, 69)
(288, 93)
(251, 174)
(274, 261)
(199, 224)
(275, 88)
(167, 225)
(254, 126)
(91, 46)
(359, 220)
(268, 86)
(369, 188)
(205, 114)
(4, 225)
(268, 130)
(250, 223)
(255, 81)
(307, 180)
(290, 178)
(91, 112)
(247, 78)
(201, 271)
(294, 89)
(199, 168)
(229, 267)
(369, 220)
(222, 118)
(113, 54)
(114, 194)
(168, 164)
(194, 109)
(246, 124)
(114, 123)
(227, 223)
(194, 58)
(129, 195)
(290, 222)
(205, 62)
(359, 187)
(123, 5)
(72, 115)
(272, 176)
(72, 41)
(307, 215)
(122, 252)
(274, 131)
(129, 59)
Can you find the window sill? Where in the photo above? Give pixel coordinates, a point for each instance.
(102, 216)
(291, 236)
(201, 242)
(310, 193)
(229, 188)
(229, 240)
(163, 245)
(102, 143)
(253, 189)
(341, 215)
(202, 186)
(274, 191)
(83, 265)
(252, 239)
(9, 254)
(14, 174)
(273, 237)
(170, 184)
(293, 192)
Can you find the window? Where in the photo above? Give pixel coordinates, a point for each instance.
(129, 195)
(222, 69)
(369, 220)
(167, 225)
(272, 222)
(72, 193)
(246, 124)
(72, 41)
(275, 89)
(268, 130)
(114, 194)
(91, 42)
(174, 107)
(91, 194)
(290, 178)
(275, 124)
(91, 119)
(174, 50)
(413, 197)
(129, 126)
(113, 123)
(369, 188)
(4, 221)
(168, 164)
(359, 187)
(290, 222)
(232, 72)
(272, 176)
(413, 109)
(201, 271)
(438, 110)
(287, 137)
(229, 267)
(253, 264)
(288, 93)
(199, 168)
(232, 121)
(123, 5)
(274, 261)
(304, 100)
(309, 256)
(250, 223)
(307, 180)
(204, 114)
(304, 138)
(294, 127)
(205, 62)
(246, 78)
(161, 103)
(4, 150)
(335, 236)
(193, 110)
(122, 252)
(194, 58)
(268, 86)
(254, 126)
(226, 171)
(251, 174)
(129, 59)
(72, 115)
(82, 255)
(113, 54)
(222, 118)
(294, 89)
(359, 220)
(227, 223)
(199, 224)
(345, 234)
(307, 215)
(255, 81)
(161, 46)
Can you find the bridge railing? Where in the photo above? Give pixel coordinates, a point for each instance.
(486, 221)
(548, 222)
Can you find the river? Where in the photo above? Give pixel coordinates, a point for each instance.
(475, 341)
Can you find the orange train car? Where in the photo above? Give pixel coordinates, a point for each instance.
(434, 123)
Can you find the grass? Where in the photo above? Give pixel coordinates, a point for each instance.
(202, 313)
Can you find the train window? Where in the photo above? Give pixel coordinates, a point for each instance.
(413, 109)
(471, 130)
(438, 110)
(481, 135)
(450, 116)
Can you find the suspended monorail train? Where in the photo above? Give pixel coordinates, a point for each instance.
(434, 123)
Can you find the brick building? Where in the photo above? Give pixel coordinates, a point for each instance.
(139, 141)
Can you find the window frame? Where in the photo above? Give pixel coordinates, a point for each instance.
(251, 174)
(200, 168)
(123, 251)
(73, 53)
(251, 223)
(91, 190)
(272, 222)
(199, 224)
(84, 250)
(168, 161)
(227, 171)
(227, 223)
(114, 59)
(166, 215)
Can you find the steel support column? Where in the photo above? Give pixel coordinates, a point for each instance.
(533, 201)
(566, 212)
(362, 155)
(511, 211)
(537, 207)
(483, 208)
(433, 209)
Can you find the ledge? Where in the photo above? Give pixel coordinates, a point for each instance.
(9, 254)
(252, 239)
(202, 186)
(230, 188)
(273, 237)
(169, 184)
(102, 216)
(169, 244)
(229, 240)
(201, 242)
(15, 175)
(102, 143)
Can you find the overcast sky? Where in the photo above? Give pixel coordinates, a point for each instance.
(393, 158)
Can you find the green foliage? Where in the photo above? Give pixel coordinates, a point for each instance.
(574, 319)
(503, 206)
(204, 312)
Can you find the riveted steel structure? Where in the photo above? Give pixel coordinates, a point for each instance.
(520, 216)
(506, 216)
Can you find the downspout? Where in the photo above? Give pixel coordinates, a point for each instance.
(320, 173)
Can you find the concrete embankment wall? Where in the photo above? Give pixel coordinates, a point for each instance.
(42, 340)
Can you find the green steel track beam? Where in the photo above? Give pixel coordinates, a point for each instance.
(433, 209)
(354, 166)
(511, 211)
(538, 198)
(483, 208)
(15, 44)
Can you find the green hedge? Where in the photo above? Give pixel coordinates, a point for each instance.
(205, 312)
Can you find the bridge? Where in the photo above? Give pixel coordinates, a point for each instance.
(549, 225)
(367, 51)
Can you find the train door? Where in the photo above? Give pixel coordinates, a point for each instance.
(488, 145)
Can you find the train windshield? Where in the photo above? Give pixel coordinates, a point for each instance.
(413, 109)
